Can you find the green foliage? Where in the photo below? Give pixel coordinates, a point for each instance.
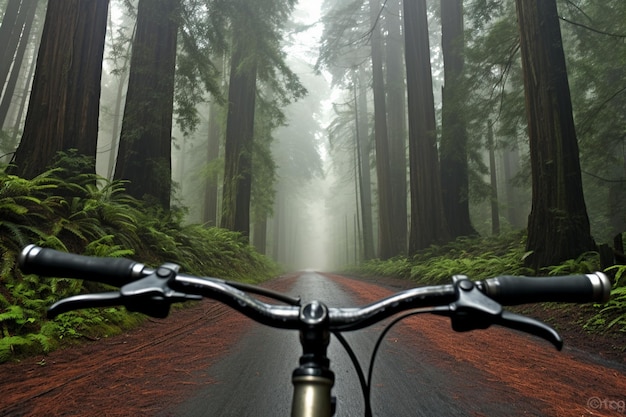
(67, 210)
(586, 263)
(477, 258)
(481, 258)
(614, 312)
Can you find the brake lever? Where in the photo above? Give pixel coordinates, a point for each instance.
(474, 310)
(150, 295)
(532, 326)
(77, 302)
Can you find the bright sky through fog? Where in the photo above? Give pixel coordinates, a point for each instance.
(304, 46)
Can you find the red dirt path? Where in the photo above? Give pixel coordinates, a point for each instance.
(141, 371)
(567, 384)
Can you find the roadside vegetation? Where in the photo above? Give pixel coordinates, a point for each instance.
(485, 257)
(88, 215)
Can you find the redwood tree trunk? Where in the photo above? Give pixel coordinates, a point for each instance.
(495, 207)
(239, 134)
(453, 147)
(428, 224)
(65, 98)
(396, 105)
(213, 150)
(558, 225)
(386, 247)
(363, 153)
(7, 97)
(9, 20)
(144, 155)
(12, 35)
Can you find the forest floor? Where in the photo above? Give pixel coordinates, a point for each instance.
(567, 319)
(149, 368)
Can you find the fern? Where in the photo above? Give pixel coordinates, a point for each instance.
(13, 313)
(616, 307)
(104, 247)
(15, 345)
(69, 211)
(586, 263)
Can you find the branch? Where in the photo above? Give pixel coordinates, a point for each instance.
(603, 179)
(614, 35)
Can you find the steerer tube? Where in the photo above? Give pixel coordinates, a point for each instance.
(313, 379)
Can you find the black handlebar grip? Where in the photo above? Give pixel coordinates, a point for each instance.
(511, 290)
(53, 263)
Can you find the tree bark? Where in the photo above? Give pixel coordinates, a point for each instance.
(19, 112)
(6, 28)
(145, 149)
(213, 150)
(558, 225)
(428, 223)
(515, 201)
(363, 154)
(239, 133)
(386, 247)
(65, 98)
(12, 35)
(453, 147)
(9, 90)
(396, 105)
(260, 235)
(495, 208)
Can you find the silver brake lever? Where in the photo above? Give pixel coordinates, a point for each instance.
(105, 299)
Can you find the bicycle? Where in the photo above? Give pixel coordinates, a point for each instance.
(469, 304)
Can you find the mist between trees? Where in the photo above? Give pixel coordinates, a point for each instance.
(337, 131)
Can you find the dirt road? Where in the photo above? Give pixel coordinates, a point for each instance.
(207, 361)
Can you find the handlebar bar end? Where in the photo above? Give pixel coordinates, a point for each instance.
(601, 285)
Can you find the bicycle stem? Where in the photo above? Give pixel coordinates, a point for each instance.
(313, 379)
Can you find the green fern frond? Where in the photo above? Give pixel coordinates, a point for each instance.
(53, 242)
(13, 313)
(104, 247)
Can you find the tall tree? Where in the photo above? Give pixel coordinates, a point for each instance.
(387, 244)
(240, 129)
(428, 223)
(255, 53)
(558, 225)
(209, 215)
(9, 22)
(364, 166)
(144, 155)
(396, 117)
(65, 98)
(495, 208)
(24, 36)
(596, 60)
(11, 32)
(453, 147)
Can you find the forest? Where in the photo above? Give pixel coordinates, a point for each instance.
(265, 135)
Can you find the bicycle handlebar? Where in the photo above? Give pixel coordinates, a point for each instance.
(53, 263)
(512, 290)
(142, 287)
(469, 305)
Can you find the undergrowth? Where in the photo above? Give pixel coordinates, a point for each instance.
(88, 215)
(476, 257)
(485, 257)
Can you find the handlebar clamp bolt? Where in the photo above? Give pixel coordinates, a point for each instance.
(466, 285)
(314, 313)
